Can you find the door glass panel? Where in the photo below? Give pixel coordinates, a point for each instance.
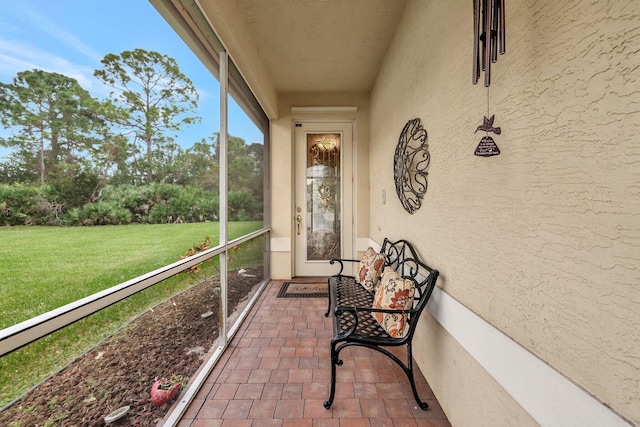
(323, 196)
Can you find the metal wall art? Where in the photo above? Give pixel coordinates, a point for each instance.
(488, 36)
(411, 164)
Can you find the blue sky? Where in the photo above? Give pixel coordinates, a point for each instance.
(70, 37)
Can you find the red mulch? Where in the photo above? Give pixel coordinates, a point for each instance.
(171, 339)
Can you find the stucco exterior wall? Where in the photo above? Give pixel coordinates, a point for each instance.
(282, 131)
(542, 241)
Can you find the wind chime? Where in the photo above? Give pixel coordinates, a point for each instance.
(488, 41)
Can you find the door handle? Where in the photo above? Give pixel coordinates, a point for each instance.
(299, 220)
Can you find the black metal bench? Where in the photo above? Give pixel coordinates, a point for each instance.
(353, 324)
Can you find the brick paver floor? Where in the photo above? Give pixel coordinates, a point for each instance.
(276, 372)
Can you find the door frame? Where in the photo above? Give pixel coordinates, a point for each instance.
(347, 189)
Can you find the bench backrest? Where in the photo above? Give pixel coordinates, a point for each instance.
(402, 257)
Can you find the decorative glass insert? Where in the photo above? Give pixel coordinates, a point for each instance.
(323, 196)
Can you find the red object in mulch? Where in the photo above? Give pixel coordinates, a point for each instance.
(160, 396)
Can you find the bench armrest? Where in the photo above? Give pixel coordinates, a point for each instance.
(341, 262)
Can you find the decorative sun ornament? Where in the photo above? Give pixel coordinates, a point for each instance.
(411, 164)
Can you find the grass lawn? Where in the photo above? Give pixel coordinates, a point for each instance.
(43, 268)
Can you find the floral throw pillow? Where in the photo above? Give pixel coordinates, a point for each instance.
(394, 292)
(370, 269)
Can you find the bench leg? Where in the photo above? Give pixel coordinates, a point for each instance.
(335, 361)
(409, 372)
(407, 369)
(328, 298)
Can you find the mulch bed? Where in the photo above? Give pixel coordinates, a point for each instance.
(170, 339)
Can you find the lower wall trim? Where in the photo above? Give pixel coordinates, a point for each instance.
(362, 243)
(548, 396)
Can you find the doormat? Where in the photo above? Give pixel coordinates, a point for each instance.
(303, 290)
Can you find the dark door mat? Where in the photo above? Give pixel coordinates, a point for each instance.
(303, 290)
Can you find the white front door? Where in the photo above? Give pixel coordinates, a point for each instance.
(323, 211)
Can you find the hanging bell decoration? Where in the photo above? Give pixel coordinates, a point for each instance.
(488, 146)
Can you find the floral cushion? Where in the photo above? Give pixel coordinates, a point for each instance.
(394, 292)
(370, 269)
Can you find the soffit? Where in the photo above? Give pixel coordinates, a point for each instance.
(322, 45)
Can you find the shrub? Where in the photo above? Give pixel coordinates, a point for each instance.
(73, 216)
(99, 213)
(123, 204)
(134, 199)
(45, 211)
(243, 207)
(76, 190)
(168, 203)
(17, 204)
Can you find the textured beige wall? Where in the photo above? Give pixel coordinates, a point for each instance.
(281, 198)
(542, 241)
(282, 165)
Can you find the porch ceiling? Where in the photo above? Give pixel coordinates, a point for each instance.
(322, 45)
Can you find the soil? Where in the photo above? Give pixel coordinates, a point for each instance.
(170, 339)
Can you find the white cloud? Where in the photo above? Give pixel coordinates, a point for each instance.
(16, 57)
(19, 50)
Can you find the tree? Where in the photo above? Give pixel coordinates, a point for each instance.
(111, 159)
(200, 166)
(21, 166)
(245, 166)
(54, 117)
(157, 96)
(245, 176)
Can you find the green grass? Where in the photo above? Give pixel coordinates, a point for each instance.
(44, 268)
